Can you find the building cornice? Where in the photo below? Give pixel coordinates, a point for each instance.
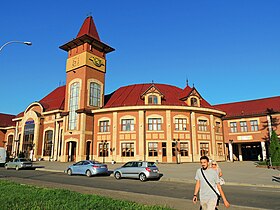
(160, 107)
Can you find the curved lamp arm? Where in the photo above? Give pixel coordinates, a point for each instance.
(10, 42)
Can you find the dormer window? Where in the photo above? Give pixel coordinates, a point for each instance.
(152, 96)
(194, 101)
(152, 99)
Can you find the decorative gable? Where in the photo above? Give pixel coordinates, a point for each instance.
(191, 96)
(152, 95)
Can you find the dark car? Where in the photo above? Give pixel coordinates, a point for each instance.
(141, 170)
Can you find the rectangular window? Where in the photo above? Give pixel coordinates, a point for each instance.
(103, 149)
(152, 99)
(218, 127)
(220, 149)
(154, 124)
(153, 149)
(180, 124)
(204, 149)
(94, 94)
(254, 125)
(243, 126)
(202, 125)
(104, 126)
(73, 105)
(127, 149)
(128, 125)
(184, 148)
(233, 127)
(48, 143)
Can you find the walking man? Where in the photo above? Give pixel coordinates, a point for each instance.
(205, 178)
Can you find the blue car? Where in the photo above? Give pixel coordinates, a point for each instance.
(88, 168)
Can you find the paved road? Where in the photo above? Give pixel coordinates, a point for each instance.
(258, 197)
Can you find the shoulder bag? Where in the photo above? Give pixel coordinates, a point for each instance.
(218, 196)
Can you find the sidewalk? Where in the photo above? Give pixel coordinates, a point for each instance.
(237, 173)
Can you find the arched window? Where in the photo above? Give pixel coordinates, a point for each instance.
(194, 102)
(10, 144)
(152, 99)
(48, 143)
(73, 105)
(94, 94)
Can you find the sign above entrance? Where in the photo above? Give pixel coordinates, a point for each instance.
(244, 137)
(86, 59)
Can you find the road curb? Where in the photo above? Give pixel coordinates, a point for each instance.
(166, 179)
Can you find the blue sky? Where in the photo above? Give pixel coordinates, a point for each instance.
(229, 49)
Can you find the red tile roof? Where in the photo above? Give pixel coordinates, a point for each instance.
(54, 100)
(6, 120)
(186, 92)
(131, 96)
(88, 28)
(252, 107)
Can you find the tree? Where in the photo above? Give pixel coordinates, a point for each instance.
(274, 149)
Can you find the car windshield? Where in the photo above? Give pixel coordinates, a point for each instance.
(22, 160)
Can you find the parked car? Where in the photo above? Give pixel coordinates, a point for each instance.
(19, 163)
(87, 167)
(2, 156)
(141, 170)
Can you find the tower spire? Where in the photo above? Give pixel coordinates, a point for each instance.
(89, 28)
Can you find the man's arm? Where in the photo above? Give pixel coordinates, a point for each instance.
(196, 189)
(223, 196)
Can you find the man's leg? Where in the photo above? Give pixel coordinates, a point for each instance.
(208, 204)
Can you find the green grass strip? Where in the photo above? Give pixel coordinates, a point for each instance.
(20, 196)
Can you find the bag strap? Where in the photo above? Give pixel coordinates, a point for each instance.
(209, 183)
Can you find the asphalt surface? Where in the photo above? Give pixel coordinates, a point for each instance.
(256, 197)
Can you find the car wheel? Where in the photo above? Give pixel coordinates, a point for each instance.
(17, 168)
(6, 167)
(88, 173)
(118, 175)
(69, 172)
(142, 177)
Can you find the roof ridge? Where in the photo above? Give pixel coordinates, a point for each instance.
(236, 102)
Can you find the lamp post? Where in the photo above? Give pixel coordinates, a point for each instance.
(11, 42)
(104, 144)
(230, 147)
(176, 149)
(17, 145)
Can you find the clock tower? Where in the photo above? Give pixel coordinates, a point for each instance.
(84, 92)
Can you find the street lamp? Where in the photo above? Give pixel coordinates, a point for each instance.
(17, 147)
(231, 150)
(104, 143)
(10, 42)
(176, 149)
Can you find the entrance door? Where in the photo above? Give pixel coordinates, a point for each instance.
(163, 152)
(174, 153)
(250, 151)
(72, 145)
(88, 150)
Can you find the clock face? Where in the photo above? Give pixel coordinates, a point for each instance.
(86, 59)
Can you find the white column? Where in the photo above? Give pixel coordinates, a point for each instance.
(240, 152)
(230, 151)
(69, 151)
(263, 150)
(114, 145)
(269, 125)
